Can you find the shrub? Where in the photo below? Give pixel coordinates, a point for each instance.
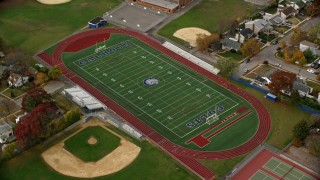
(297, 142)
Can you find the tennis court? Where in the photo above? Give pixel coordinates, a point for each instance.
(285, 170)
(261, 175)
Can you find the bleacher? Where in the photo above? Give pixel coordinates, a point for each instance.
(191, 57)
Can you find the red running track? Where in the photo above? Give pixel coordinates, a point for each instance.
(186, 156)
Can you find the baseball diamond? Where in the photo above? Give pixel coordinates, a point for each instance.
(163, 95)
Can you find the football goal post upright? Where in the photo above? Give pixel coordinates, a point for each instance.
(212, 118)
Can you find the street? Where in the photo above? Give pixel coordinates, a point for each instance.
(267, 54)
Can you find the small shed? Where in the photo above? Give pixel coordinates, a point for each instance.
(97, 22)
(271, 97)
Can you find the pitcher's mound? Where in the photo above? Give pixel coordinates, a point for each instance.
(190, 34)
(92, 140)
(51, 2)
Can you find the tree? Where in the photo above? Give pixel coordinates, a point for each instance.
(34, 126)
(6, 107)
(55, 72)
(314, 8)
(297, 36)
(250, 47)
(33, 98)
(41, 78)
(8, 151)
(308, 55)
(298, 56)
(226, 66)
(283, 45)
(203, 41)
(301, 130)
(282, 80)
(15, 57)
(20, 67)
(313, 142)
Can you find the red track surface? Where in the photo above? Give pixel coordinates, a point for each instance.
(257, 164)
(186, 156)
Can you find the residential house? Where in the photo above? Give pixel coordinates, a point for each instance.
(296, 4)
(259, 25)
(230, 43)
(5, 132)
(302, 88)
(243, 35)
(274, 19)
(304, 45)
(17, 80)
(287, 12)
(169, 6)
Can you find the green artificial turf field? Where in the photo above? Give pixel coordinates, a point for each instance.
(168, 96)
(79, 146)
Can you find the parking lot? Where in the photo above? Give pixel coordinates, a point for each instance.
(135, 17)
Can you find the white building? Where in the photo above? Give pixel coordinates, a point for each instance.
(304, 45)
(83, 99)
(16, 80)
(5, 132)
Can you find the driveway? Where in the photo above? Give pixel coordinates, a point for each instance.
(267, 54)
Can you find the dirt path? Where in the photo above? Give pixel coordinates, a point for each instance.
(66, 163)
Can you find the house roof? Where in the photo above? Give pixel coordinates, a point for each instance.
(276, 19)
(231, 43)
(163, 3)
(299, 85)
(5, 128)
(309, 44)
(13, 78)
(288, 10)
(96, 20)
(246, 32)
(261, 23)
(299, 3)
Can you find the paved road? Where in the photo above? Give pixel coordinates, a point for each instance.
(268, 54)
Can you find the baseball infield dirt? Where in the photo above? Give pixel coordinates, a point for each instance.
(190, 34)
(66, 163)
(52, 2)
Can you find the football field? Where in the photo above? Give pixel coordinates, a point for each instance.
(168, 96)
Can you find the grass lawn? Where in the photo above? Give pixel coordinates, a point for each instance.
(31, 26)
(314, 85)
(222, 167)
(233, 56)
(263, 69)
(78, 144)
(294, 20)
(16, 92)
(281, 29)
(209, 15)
(251, 75)
(152, 163)
(284, 117)
(3, 85)
(62, 101)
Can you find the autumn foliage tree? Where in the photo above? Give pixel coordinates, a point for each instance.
(55, 72)
(41, 78)
(250, 47)
(314, 8)
(34, 127)
(282, 80)
(203, 41)
(297, 36)
(33, 98)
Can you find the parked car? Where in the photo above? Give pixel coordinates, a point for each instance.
(278, 64)
(274, 42)
(311, 70)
